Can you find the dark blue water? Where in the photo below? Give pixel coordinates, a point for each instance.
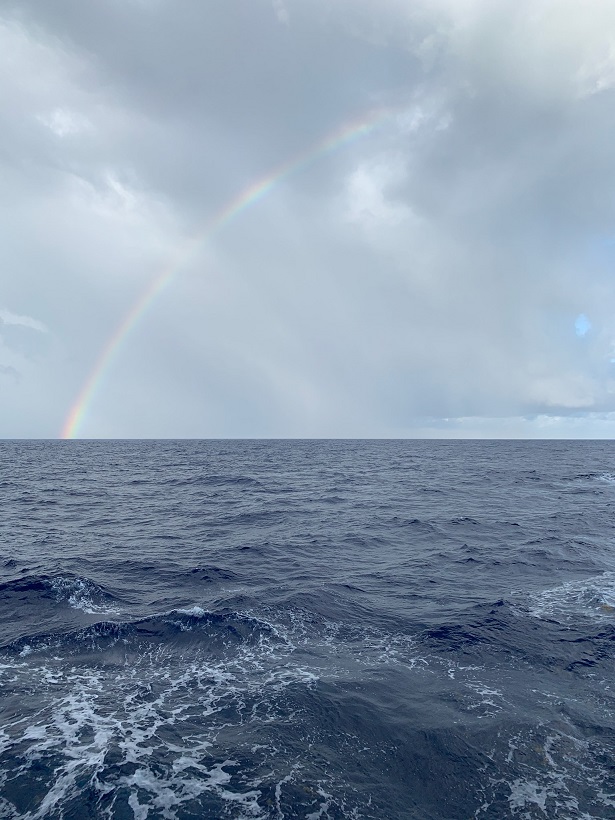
(330, 629)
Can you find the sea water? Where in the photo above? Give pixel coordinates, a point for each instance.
(307, 629)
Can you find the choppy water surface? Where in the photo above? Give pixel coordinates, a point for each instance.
(307, 629)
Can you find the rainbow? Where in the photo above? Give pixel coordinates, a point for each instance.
(246, 199)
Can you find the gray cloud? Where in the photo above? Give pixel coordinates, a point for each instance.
(7, 370)
(422, 279)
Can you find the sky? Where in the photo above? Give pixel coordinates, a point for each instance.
(307, 218)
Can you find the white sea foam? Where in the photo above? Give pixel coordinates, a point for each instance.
(487, 701)
(371, 647)
(559, 770)
(589, 598)
(89, 717)
(80, 593)
(523, 792)
(164, 718)
(194, 611)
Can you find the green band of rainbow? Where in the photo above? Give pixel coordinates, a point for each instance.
(250, 196)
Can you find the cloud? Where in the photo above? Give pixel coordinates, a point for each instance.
(6, 317)
(7, 370)
(432, 269)
(64, 122)
(281, 11)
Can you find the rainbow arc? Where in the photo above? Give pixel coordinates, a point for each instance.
(237, 206)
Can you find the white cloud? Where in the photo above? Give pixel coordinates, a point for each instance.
(281, 11)
(367, 202)
(10, 318)
(64, 122)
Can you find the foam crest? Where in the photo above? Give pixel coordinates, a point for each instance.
(81, 593)
(194, 629)
(77, 592)
(588, 599)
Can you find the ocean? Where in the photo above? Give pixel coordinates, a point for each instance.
(307, 629)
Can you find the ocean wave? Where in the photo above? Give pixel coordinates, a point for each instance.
(530, 631)
(588, 599)
(78, 592)
(147, 728)
(605, 476)
(177, 629)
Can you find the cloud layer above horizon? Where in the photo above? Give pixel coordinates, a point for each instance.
(447, 273)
